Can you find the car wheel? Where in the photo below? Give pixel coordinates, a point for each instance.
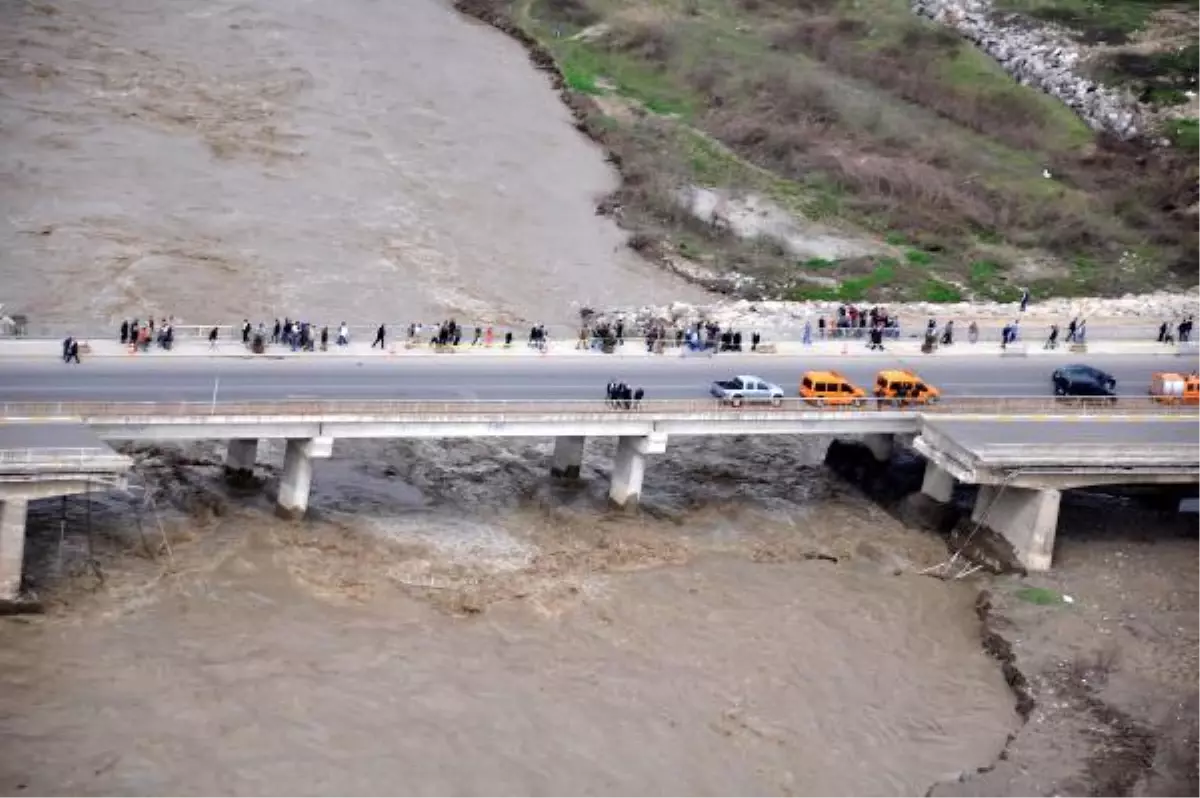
(1059, 390)
(776, 401)
(735, 401)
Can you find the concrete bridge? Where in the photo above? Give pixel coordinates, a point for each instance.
(1023, 452)
(39, 461)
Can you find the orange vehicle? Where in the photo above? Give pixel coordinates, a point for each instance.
(830, 388)
(1175, 389)
(899, 387)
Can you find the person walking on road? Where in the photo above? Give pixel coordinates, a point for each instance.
(125, 331)
(1024, 299)
(379, 338)
(343, 335)
(212, 338)
(70, 350)
(1052, 339)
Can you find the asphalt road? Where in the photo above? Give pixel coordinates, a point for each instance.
(57, 435)
(164, 380)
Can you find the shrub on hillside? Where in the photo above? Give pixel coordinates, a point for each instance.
(650, 39)
(572, 12)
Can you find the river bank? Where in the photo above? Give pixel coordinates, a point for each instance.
(731, 176)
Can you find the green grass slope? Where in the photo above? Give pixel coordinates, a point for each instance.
(859, 116)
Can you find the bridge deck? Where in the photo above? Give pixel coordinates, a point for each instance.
(979, 450)
(978, 434)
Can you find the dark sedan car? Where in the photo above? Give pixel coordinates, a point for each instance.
(1080, 380)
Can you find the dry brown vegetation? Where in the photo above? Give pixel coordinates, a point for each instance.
(859, 113)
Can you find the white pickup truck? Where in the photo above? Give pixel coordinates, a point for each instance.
(746, 389)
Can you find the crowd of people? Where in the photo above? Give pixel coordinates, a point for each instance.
(621, 396)
(138, 333)
(1181, 332)
(875, 324)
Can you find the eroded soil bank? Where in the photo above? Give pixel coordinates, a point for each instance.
(1100, 654)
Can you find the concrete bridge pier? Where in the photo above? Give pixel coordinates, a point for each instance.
(1026, 517)
(12, 545)
(629, 466)
(881, 445)
(938, 484)
(240, 457)
(568, 456)
(296, 480)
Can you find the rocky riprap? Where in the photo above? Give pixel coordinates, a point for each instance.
(779, 315)
(1039, 56)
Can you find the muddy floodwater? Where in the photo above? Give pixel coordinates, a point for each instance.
(452, 623)
(362, 160)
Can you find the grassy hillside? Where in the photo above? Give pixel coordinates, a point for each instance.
(861, 119)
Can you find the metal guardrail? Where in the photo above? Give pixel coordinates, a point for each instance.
(1152, 453)
(951, 406)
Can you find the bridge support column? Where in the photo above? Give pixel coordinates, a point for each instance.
(1026, 517)
(12, 545)
(568, 456)
(296, 480)
(938, 484)
(629, 467)
(240, 456)
(881, 445)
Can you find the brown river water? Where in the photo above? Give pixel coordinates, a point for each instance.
(360, 160)
(448, 621)
(453, 623)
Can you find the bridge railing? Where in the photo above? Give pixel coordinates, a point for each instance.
(965, 405)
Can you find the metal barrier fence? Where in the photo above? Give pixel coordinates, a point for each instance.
(966, 405)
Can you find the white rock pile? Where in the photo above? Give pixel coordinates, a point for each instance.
(1040, 56)
(1150, 309)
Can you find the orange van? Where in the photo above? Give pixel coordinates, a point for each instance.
(830, 388)
(898, 387)
(1175, 389)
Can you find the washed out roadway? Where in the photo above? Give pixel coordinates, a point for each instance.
(520, 378)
